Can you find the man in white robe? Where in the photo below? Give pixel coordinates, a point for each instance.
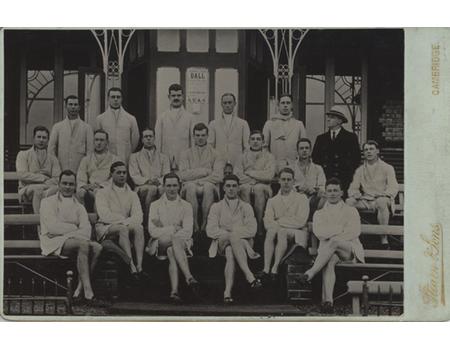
(121, 126)
(374, 186)
(282, 132)
(120, 217)
(66, 230)
(201, 171)
(286, 220)
(170, 226)
(147, 168)
(337, 226)
(256, 169)
(94, 170)
(71, 139)
(232, 226)
(173, 128)
(229, 134)
(37, 170)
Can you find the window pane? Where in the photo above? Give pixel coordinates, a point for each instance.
(70, 83)
(226, 41)
(165, 76)
(168, 40)
(315, 89)
(197, 93)
(227, 80)
(40, 84)
(197, 40)
(347, 89)
(315, 121)
(40, 113)
(92, 98)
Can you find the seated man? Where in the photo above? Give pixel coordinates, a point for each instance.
(66, 230)
(309, 177)
(93, 171)
(286, 220)
(170, 226)
(147, 167)
(201, 172)
(120, 216)
(337, 226)
(256, 169)
(37, 170)
(374, 186)
(232, 225)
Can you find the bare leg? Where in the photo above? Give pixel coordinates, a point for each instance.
(280, 249)
(81, 193)
(326, 250)
(207, 202)
(240, 255)
(230, 267)
(96, 250)
(191, 197)
(139, 244)
(38, 194)
(261, 193)
(173, 271)
(244, 192)
(382, 205)
(329, 279)
(269, 248)
(124, 241)
(181, 258)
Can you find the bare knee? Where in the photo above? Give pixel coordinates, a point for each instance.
(96, 247)
(83, 247)
(170, 254)
(123, 231)
(382, 203)
(229, 254)
(270, 235)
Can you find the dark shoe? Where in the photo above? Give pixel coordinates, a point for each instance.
(256, 284)
(273, 277)
(228, 300)
(175, 298)
(143, 275)
(263, 276)
(194, 286)
(327, 308)
(94, 302)
(303, 280)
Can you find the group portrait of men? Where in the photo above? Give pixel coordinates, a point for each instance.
(250, 192)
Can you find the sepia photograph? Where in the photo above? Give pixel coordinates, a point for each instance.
(186, 173)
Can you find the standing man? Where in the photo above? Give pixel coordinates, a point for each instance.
(256, 169)
(229, 134)
(170, 226)
(71, 139)
(38, 170)
(94, 169)
(201, 171)
(66, 230)
(121, 126)
(282, 132)
(309, 177)
(286, 220)
(120, 216)
(173, 127)
(147, 168)
(337, 226)
(337, 150)
(374, 186)
(232, 226)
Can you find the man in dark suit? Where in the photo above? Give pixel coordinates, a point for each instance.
(337, 150)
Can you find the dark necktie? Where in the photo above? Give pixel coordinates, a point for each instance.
(333, 135)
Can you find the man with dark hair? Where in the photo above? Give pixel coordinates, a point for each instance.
(170, 226)
(228, 133)
(121, 126)
(37, 170)
(337, 151)
(120, 216)
(282, 132)
(286, 220)
(337, 226)
(374, 186)
(256, 169)
(66, 230)
(232, 226)
(147, 167)
(173, 127)
(71, 139)
(309, 177)
(94, 169)
(201, 171)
